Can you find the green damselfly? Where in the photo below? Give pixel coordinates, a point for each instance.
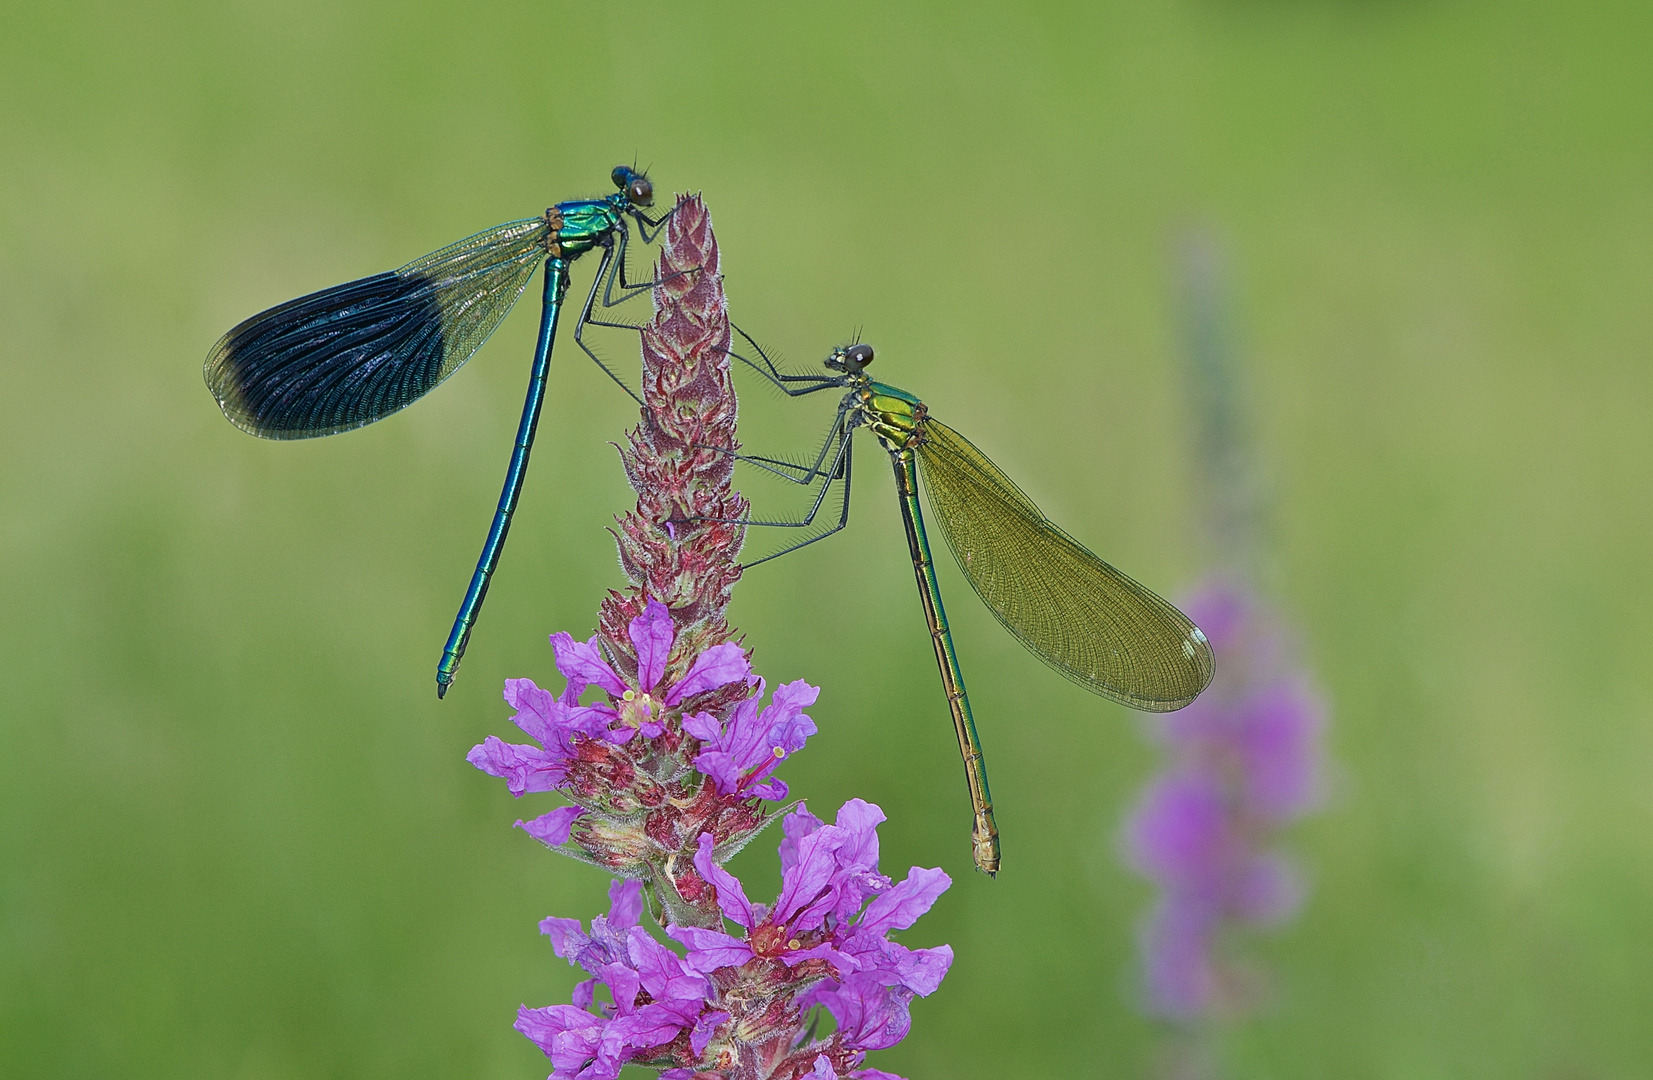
(1081, 616)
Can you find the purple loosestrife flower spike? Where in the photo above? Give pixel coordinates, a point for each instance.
(662, 652)
(662, 741)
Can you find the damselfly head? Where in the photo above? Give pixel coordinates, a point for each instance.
(639, 192)
(850, 358)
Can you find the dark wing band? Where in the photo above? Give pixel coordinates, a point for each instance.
(355, 353)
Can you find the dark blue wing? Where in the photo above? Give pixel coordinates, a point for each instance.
(355, 353)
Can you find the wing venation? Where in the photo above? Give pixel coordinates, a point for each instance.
(1072, 610)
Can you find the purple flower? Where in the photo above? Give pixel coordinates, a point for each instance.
(569, 1036)
(552, 829)
(652, 636)
(1177, 941)
(827, 874)
(824, 942)
(870, 1015)
(1245, 759)
(606, 944)
(557, 723)
(741, 753)
(653, 997)
(823, 1070)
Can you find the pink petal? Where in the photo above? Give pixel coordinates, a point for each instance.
(543, 1026)
(901, 906)
(710, 949)
(581, 662)
(523, 768)
(703, 726)
(794, 827)
(625, 903)
(552, 829)
(704, 1029)
(731, 896)
(623, 984)
(651, 635)
(536, 710)
(718, 666)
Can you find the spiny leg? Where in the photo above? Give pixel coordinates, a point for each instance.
(807, 474)
(645, 223)
(781, 380)
(603, 269)
(840, 470)
(612, 266)
(635, 287)
(616, 245)
(828, 477)
(843, 509)
(629, 290)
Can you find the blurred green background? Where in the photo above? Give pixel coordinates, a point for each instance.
(238, 838)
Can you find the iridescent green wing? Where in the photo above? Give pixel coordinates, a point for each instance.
(1072, 610)
(355, 353)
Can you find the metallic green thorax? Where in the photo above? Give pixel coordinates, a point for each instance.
(579, 225)
(897, 419)
(895, 416)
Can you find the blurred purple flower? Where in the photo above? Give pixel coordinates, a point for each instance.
(1245, 760)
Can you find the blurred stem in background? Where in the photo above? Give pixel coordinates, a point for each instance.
(1228, 484)
(1243, 761)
